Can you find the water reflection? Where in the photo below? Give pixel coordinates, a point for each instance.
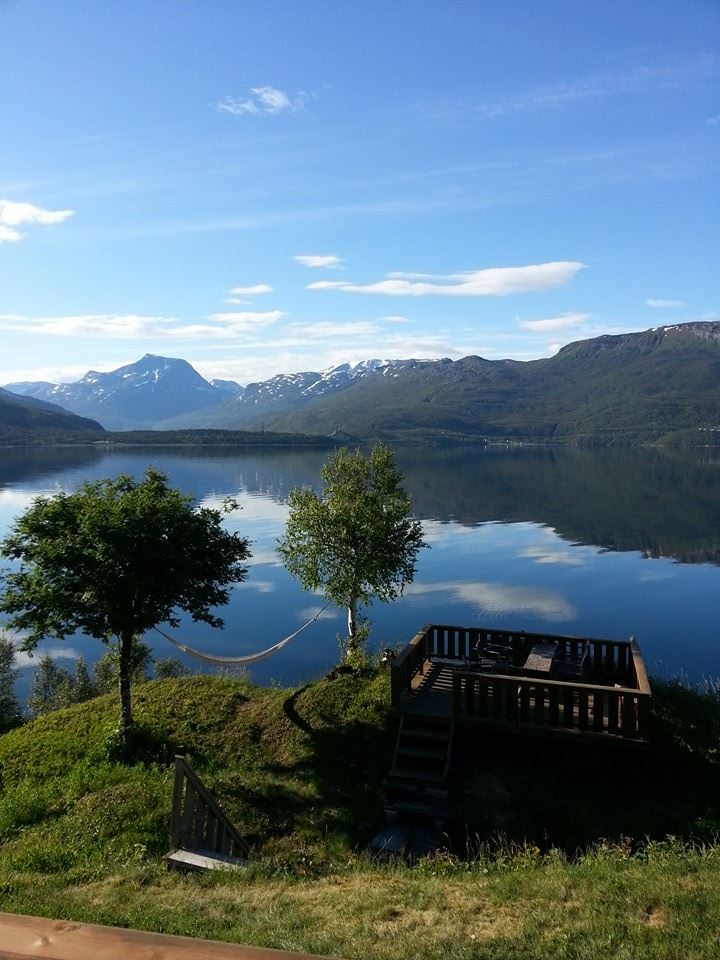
(527, 538)
(661, 502)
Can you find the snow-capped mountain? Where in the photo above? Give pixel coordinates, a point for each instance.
(165, 393)
(135, 396)
(287, 391)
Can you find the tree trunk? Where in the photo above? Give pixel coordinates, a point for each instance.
(124, 667)
(352, 626)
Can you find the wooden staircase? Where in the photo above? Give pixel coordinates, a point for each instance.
(416, 787)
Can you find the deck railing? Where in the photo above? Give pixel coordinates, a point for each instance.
(568, 706)
(613, 699)
(197, 822)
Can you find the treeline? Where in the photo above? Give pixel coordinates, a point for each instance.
(198, 437)
(53, 687)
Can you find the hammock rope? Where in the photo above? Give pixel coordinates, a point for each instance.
(248, 658)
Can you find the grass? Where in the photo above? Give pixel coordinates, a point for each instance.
(528, 873)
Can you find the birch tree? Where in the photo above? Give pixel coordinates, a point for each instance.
(356, 542)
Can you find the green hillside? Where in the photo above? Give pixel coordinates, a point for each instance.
(658, 386)
(25, 420)
(82, 836)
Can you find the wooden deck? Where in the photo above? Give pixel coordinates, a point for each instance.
(25, 937)
(437, 676)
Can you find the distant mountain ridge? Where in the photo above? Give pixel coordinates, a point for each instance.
(288, 392)
(662, 384)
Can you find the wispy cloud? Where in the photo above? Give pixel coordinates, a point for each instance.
(247, 320)
(600, 86)
(562, 322)
(663, 304)
(263, 100)
(396, 318)
(14, 215)
(491, 282)
(318, 260)
(252, 291)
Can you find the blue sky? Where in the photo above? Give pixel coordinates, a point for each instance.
(265, 187)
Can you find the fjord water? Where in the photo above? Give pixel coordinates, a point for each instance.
(603, 543)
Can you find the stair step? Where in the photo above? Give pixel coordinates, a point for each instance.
(418, 721)
(416, 773)
(439, 736)
(422, 753)
(434, 811)
(202, 860)
(415, 789)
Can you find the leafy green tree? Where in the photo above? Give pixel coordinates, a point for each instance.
(356, 542)
(83, 687)
(113, 560)
(106, 669)
(9, 706)
(51, 687)
(170, 668)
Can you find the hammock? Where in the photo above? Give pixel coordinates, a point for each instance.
(248, 658)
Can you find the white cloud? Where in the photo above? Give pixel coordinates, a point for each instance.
(263, 100)
(491, 282)
(562, 322)
(13, 215)
(9, 235)
(318, 260)
(252, 291)
(130, 326)
(247, 320)
(663, 304)
(396, 318)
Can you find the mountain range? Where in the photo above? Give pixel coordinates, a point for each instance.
(659, 385)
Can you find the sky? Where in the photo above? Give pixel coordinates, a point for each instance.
(268, 186)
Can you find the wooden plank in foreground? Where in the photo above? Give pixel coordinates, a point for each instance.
(22, 937)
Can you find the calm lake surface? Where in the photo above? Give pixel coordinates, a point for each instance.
(603, 543)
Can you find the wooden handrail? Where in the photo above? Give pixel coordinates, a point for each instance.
(198, 822)
(26, 937)
(532, 681)
(641, 676)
